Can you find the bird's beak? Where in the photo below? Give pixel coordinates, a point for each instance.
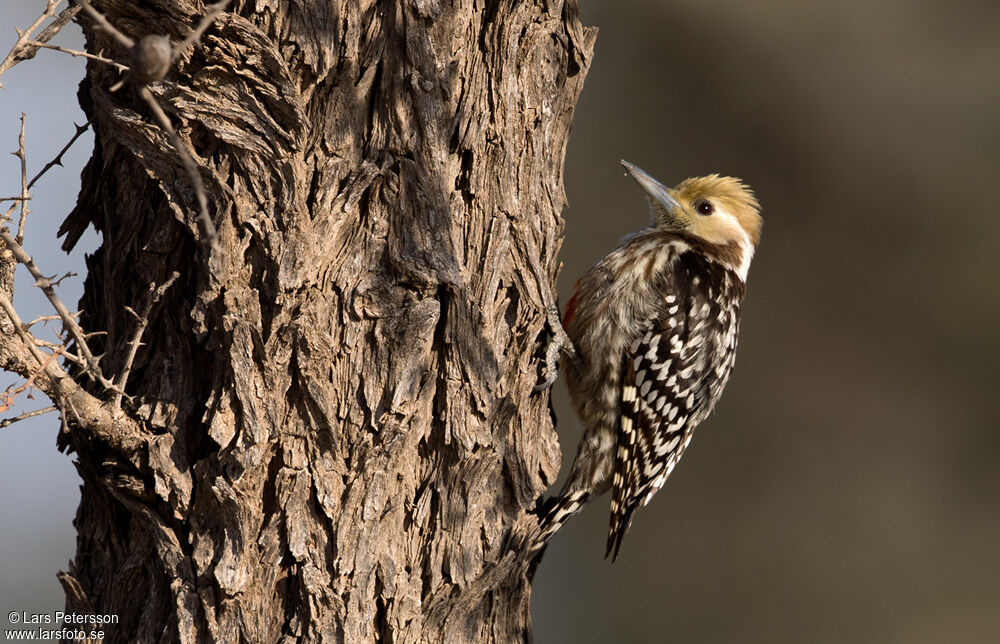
(659, 195)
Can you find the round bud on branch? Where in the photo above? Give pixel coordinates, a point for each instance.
(151, 58)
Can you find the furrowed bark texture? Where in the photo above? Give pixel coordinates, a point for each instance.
(341, 439)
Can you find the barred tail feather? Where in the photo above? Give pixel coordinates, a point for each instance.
(558, 514)
(620, 523)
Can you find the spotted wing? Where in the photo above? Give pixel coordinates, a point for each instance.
(663, 389)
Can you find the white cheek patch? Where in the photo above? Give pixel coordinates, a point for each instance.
(722, 228)
(744, 267)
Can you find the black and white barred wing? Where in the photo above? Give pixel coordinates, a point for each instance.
(662, 391)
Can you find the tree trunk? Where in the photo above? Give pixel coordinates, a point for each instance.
(339, 438)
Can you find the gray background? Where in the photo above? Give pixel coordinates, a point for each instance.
(847, 488)
(39, 488)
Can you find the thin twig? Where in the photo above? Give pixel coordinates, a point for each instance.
(20, 154)
(81, 54)
(155, 293)
(108, 425)
(80, 129)
(65, 354)
(57, 282)
(45, 361)
(27, 50)
(48, 318)
(187, 156)
(64, 18)
(15, 55)
(30, 383)
(210, 16)
(6, 422)
(189, 164)
(107, 27)
(27, 339)
(9, 394)
(44, 283)
(61, 346)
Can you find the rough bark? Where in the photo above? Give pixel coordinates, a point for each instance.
(340, 441)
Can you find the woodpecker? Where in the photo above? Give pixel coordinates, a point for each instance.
(654, 324)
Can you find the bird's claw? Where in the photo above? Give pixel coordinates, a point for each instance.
(559, 345)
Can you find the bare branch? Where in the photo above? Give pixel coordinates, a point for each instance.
(48, 318)
(149, 64)
(26, 49)
(29, 384)
(107, 27)
(104, 422)
(189, 164)
(20, 49)
(210, 16)
(80, 129)
(57, 282)
(81, 54)
(44, 283)
(6, 422)
(64, 18)
(61, 347)
(155, 293)
(27, 339)
(20, 154)
(8, 395)
(72, 358)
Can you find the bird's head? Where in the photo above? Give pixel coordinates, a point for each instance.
(720, 211)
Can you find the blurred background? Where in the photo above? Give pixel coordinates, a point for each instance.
(847, 488)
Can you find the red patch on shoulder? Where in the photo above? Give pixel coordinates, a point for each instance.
(570, 308)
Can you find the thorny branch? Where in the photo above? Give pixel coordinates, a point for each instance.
(56, 346)
(28, 340)
(81, 54)
(47, 318)
(189, 164)
(80, 129)
(10, 394)
(64, 18)
(45, 283)
(20, 154)
(26, 47)
(155, 293)
(7, 422)
(104, 422)
(22, 50)
(107, 27)
(151, 59)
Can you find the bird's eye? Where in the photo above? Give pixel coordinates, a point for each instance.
(703, 207)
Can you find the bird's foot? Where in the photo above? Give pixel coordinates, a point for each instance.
(559, 344)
